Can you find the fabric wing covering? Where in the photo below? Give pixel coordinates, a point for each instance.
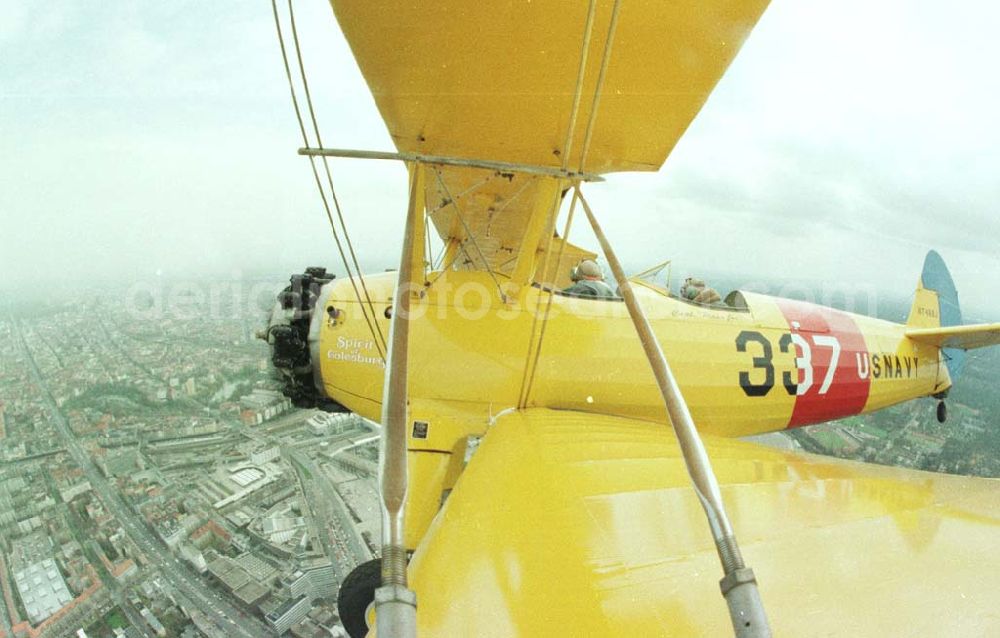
(496, 81)
(572, 524)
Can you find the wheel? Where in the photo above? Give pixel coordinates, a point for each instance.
(357, 593)
(942, 412)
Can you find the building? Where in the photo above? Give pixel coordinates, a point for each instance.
(153, 622)
(259, 457)
(324, 580)
(322, 577)
(247, 480)
(71, 492)
(210, 533)
(260, 569)
(352, 462)
(121, 462)
(261, 405)
(315, 578)
(252, 594)
(247, 578)
(332, 423)
(287, 614)
(246, 475)
(172, 533)
(231, 575)
(42, 589)
(296, 584)
(193, 555)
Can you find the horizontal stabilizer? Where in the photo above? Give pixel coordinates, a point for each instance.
(962, 337)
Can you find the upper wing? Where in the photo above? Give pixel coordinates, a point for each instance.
(962, 337)
(576, 524)
(496, 80)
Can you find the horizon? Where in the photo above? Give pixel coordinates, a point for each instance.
(175, 157)
(256, 290)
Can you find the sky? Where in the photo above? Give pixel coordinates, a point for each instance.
(144, 139)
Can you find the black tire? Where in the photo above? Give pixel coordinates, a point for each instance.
(356, 593)
(942, 412)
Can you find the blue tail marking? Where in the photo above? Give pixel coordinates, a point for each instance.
(936, 277)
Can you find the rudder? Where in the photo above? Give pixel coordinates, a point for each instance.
(935, 304)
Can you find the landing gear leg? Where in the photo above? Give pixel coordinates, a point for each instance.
(942, 412)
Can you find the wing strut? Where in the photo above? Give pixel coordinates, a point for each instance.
(441, 160)
(395, 602)
(739, 586)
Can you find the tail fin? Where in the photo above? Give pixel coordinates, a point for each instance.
(935, 305)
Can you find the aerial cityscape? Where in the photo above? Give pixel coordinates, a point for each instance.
(155, 482)
(152, 481)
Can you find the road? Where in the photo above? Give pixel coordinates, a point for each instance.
(91, 549)
(221, 613)
(4, 618)
(133, 615)
(332, 522)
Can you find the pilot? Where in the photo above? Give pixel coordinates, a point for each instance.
(697, 291)
(589, 281)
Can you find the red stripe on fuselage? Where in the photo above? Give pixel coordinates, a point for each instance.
(826, 333)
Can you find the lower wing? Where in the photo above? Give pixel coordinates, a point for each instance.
(566, 523)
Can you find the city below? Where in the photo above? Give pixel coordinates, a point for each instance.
(154, 481)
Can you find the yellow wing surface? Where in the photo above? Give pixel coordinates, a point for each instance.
(497, 81)
(568, 524)
(962, 337)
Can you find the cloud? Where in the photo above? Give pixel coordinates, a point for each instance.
(846, 139)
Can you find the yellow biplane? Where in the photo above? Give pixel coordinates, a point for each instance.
(538, 448)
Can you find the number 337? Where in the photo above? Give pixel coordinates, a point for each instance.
(803, 362)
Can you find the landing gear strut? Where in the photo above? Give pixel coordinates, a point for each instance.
(942, 412)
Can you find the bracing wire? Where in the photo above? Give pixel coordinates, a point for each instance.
(548, 304)
(550, 228)
(440, 258)
(329, 176)
(529, 370)
(588, 29)
(319, 184)
(447, 201)
(436, 264)
(438, 261)
(462, 194)
(460, 251)
(427, 246)
(468, 231)
(605, 59)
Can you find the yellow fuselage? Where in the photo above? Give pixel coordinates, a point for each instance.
(742, 371)
(472, 355)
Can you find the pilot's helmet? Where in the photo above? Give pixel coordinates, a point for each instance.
(587, 268)
(692, 286)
